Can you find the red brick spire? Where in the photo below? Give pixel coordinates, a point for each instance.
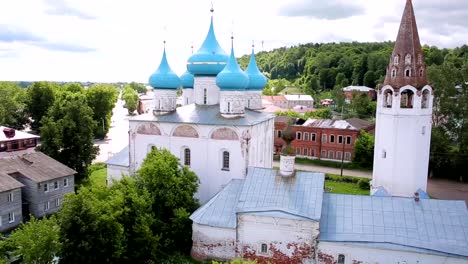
(406, 66)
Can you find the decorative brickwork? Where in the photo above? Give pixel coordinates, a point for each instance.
(224, 134)
(148, 129)
(185, 131)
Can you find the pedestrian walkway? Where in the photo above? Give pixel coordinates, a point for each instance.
(436, 188)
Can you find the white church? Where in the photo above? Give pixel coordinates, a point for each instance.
(252, 211)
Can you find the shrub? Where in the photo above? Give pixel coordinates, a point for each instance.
(364, 184)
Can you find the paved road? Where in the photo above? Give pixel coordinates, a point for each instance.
(117, 138)
(437, 188)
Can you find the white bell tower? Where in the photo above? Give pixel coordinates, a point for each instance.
(404, 117)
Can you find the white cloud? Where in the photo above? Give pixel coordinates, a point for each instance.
(121, 40)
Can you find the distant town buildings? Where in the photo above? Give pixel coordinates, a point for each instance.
(289, 101)
(350, 91)
(30, 182)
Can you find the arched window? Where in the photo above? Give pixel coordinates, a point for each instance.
(204, 96)
(396, 59)
(420, 60)
(425, 99)
(408, 72)
(421, 72)
(394, 71)
(407, 97)
(187, 157)
(229, 107)
(225, 160)
(408, 59)
(388, 97)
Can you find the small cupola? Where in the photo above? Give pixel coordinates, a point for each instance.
(257, 81)
(186, 80)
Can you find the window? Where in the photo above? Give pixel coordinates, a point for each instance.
(324, 153)
(204, 96)
(312, 136)
(57, 202)
(340, 139)
(264, 248)
(10, 197)
(408, 59)
(225, 160)
(46, 187)
(186, 101)
(324, 138)
(347, 156)
(65, 182)
(304, 151)
(393, 73)
(407, 99)
(339, 155)
(421, 72)
(388, 97)
(384, 154)
(407, 72)
(187, 157)
(11, 217)
(425, 99)
(312, 152)
(0, 220)
(46, 206)
(229, 107)
(423, 130)
(396, 59)
(348, 140)
(306, 136)
(332, 138)
(56, 185)
(331, 155)
(341, 259)
(248, 103)
(298, 135)
(278, 133)
(298, 151)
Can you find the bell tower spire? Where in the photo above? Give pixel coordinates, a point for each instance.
(406, 66)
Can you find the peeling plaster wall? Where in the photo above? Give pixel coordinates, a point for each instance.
(288, 241)
(355, 254)
(213, 243)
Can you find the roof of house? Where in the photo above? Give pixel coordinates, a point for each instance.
(122, 158)
(274, 98)
(264, 191)
(36, 166)
(357, 88)
(18, 135)
(7, 183)
(205, 115)
(349, 124)
(298, 97)
(436, 225)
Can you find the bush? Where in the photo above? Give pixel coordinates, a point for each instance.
(96, 166)
(338, 178)
(364, 184)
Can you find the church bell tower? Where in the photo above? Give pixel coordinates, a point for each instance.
(404, 114)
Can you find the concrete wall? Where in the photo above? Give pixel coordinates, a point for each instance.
(288, 241)
(34, 194)
(355, 254)
(7, 207)
(213, 243)
(402, 143)
(212, 90)
(115, 172)
(206, 152)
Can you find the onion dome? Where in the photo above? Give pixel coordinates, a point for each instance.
(257, 81)
(164, 77)
(186, 80)
(232, 77)
(210, 59)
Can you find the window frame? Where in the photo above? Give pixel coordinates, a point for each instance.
(56, 185)
(46, 187)
(306, 136)
(332, 138)
(347, 156)
(341, 259)
(226, 160)
(348, 142)
(324, 138)
(313, 137)
(305, 152)
(187, 157)
(298, 135)
(57, 202)
(11, 217)
(46, 206)
(10, 197)
(262, 247)
(65, 182)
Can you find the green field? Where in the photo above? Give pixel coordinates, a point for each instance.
(345, 188)
(98, 177)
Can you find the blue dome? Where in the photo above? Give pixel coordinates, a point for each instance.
(232, 77)
(186, 80)
(164, 77)
(210, 59)
(257, 81)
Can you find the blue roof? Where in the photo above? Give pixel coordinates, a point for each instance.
(204, 115)
(232, 77)
(264, 192)
(210, 59)
(186, 80)
(120, 159)
(220, 211)
(257, 81)
(164, 77)
(382, 192)
(436, 225)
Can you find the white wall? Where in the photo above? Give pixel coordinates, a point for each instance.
(187, 96)
(212, 90)
(206, 153)
(213, 242)
(402, 143)
(288, 240)
(165, 99)
(368, 255)
(253, 100)
(116, 172)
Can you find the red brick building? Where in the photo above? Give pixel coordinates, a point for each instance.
(324, 139)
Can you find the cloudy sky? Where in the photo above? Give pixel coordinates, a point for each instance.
(122, 40)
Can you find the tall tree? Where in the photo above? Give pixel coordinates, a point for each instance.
(101, 98)
(37, 241)
(67, 132)
(364, 150)
(12, 106)
(41, 96)
(130, 97)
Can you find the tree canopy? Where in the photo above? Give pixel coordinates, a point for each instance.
(13, 106)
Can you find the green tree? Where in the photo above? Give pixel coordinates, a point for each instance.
(172, 189)
(369, 79)
(340, 77)
(362, 105)
(322, 113)
(364, 150)
(73, 88)
(41, 96)
(138, 87)
(130, 97)
(12, 106)
(37, 241)
(67, 132)
(101, 98)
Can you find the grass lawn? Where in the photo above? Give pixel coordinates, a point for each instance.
(345, 188)
(98, 177)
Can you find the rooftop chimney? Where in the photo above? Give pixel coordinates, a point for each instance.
(287, 165)
(9, 132)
